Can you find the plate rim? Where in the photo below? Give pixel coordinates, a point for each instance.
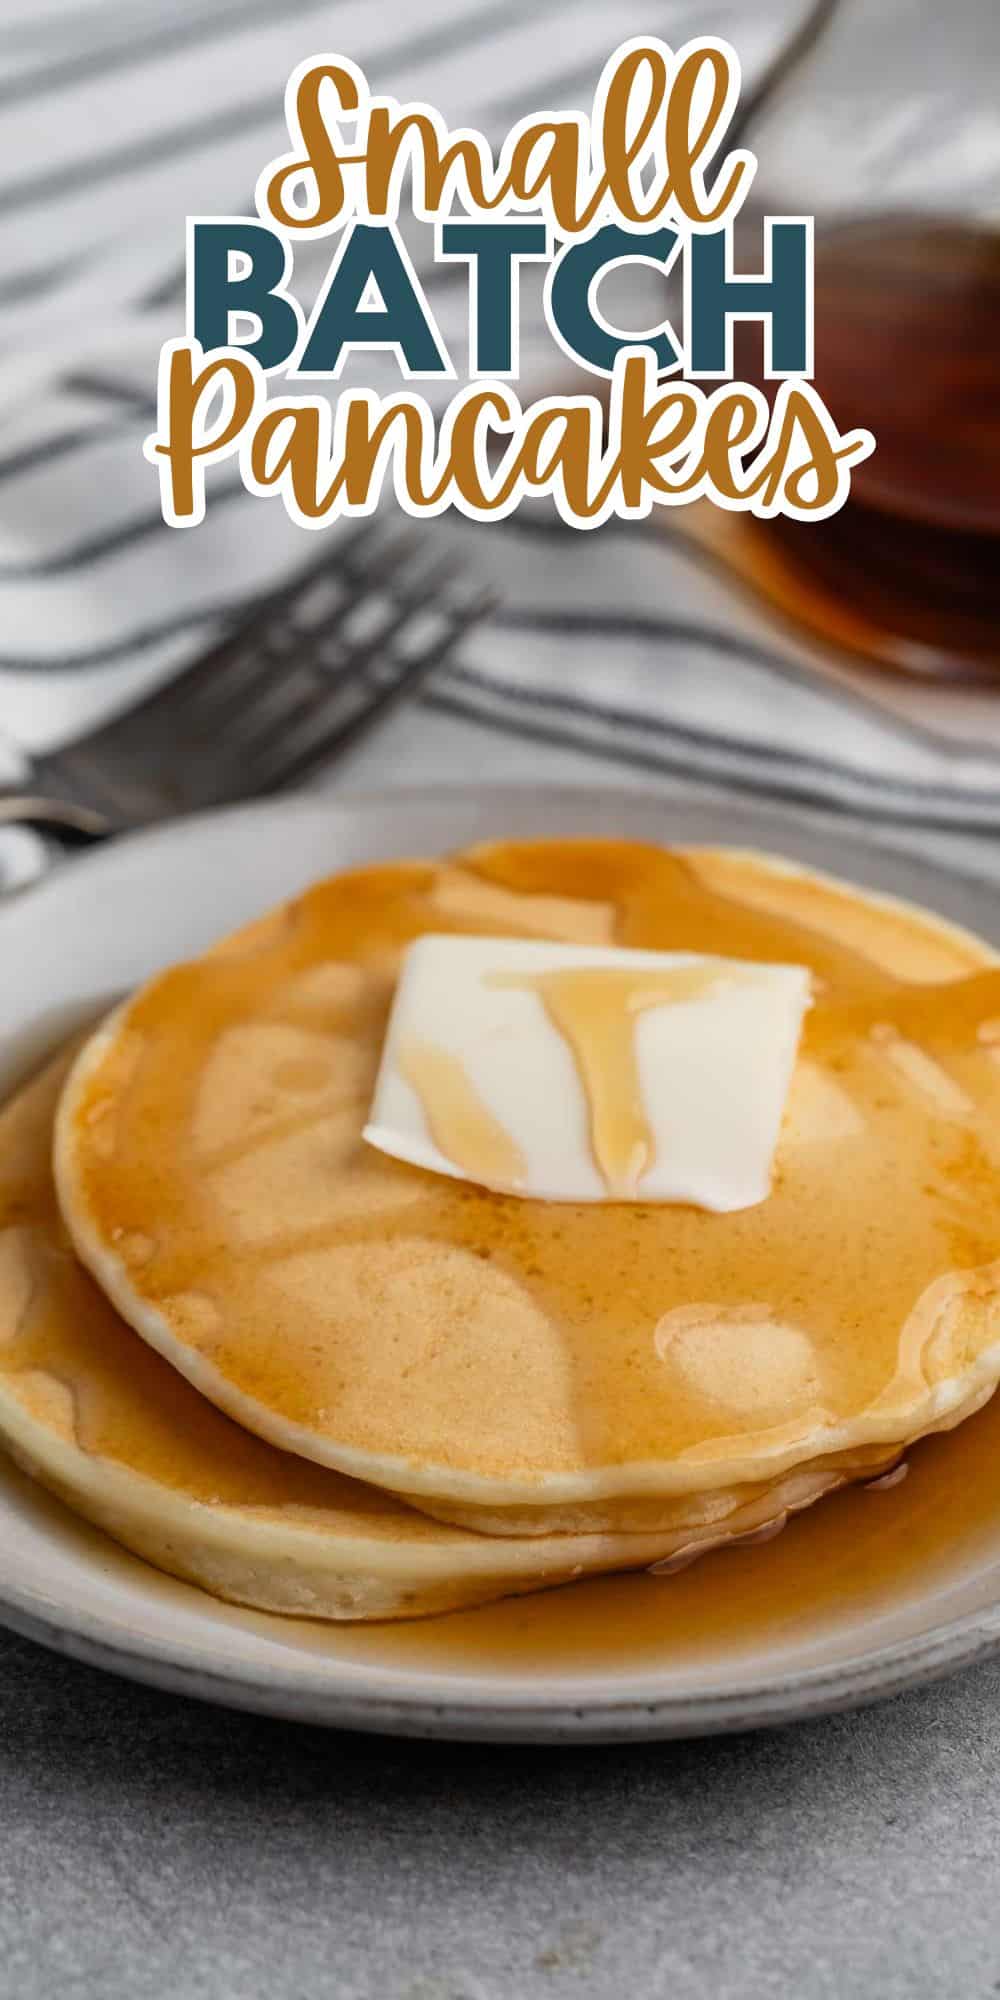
(321, 1693)
(314, 1697)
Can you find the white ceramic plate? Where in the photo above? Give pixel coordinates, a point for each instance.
(103, 922)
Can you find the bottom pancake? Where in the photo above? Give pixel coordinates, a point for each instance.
(110, 1428)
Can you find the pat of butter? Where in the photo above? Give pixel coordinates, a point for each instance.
(567, 1072)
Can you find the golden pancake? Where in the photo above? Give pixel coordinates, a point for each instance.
(106, 1425)
(527, 1366)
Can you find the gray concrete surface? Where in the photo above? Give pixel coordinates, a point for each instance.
(154, 1849)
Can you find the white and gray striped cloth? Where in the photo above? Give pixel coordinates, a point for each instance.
(119, 116)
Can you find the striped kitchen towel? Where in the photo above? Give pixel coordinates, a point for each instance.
(117, 117)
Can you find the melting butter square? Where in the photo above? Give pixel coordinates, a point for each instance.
(583, 1073)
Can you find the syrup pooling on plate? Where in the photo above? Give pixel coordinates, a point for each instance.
(861, 1556)
(388, 1311)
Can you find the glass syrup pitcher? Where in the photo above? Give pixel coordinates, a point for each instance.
(888, 131)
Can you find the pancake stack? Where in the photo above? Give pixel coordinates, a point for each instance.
(319, 1381)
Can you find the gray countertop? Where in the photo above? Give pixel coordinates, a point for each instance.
(155, 1849)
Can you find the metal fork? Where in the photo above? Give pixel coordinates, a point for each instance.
(306, 672)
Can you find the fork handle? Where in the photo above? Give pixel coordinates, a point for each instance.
(74, 825)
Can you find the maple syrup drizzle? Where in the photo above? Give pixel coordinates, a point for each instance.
(462, 1127)
(595, 1009)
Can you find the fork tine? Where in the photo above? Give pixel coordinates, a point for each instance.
(277, 645)
(305, 673)
(262, 701)
(261, 611)
(253, 666)
(290, 763)
(326, 690)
